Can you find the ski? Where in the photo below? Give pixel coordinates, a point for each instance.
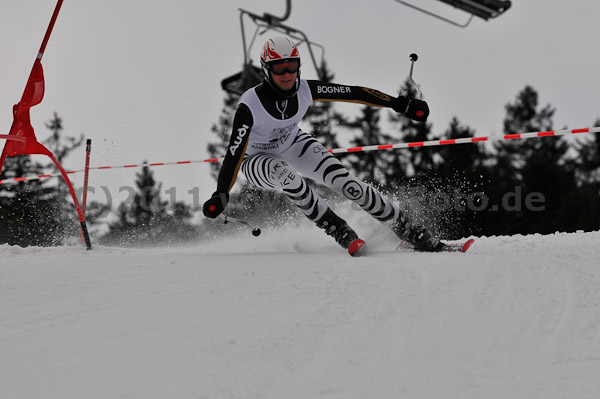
(448, 247)
(356, 248)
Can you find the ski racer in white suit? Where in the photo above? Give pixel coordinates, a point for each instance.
(274, 153)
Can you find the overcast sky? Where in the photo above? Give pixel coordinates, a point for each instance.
(142, 78)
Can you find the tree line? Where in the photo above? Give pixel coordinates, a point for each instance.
(509, 187)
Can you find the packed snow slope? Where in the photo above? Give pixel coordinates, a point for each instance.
(290, 315)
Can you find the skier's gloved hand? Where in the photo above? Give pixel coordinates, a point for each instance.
(215, 205)
(411, 107)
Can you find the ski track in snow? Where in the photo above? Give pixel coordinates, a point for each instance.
(290, 315)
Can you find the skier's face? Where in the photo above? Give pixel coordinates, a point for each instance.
(286, 81)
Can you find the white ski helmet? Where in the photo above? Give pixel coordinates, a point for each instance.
(280, 51)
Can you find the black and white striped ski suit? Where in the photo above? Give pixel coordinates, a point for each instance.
(307, 157)
(274, 153)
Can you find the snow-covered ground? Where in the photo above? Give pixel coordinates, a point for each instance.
(290, 315)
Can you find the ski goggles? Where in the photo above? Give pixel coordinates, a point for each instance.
(287, 66)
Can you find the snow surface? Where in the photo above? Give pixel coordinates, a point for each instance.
(290, 315)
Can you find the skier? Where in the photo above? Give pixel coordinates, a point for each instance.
(274, 153)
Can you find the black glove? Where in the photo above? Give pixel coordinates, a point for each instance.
(414, 109)
(215, 205)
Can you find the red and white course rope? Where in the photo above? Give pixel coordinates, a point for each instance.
(430, 143)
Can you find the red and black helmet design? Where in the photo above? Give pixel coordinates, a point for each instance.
(279, 50)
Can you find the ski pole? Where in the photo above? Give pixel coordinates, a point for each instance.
(88, 149)
(413, 58)
(227, 219)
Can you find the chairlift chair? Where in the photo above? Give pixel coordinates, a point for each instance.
(251, 75)
(484, 9)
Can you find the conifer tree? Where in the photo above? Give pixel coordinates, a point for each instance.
(460, 176)
(535, 168)
(31, 212)
(59, 144)
(40, 212)
(588, 158)
(321, 115)
(459, 159)
(145, 219)
(582, 209)
(382, 168)
(222, 130)
(418, 162)
(388, 169)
